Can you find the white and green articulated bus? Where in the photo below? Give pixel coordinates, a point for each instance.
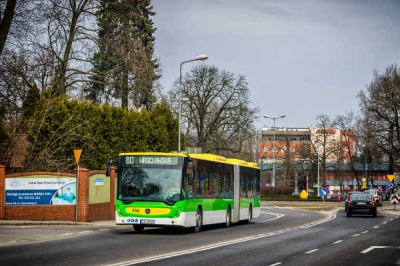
(185, 190)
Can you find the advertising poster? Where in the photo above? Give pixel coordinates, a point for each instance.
(24, 191)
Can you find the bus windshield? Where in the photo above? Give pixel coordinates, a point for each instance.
(147, 183)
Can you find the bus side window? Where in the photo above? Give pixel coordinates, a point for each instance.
(190, 179)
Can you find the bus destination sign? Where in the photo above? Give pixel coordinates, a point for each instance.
(152, 160)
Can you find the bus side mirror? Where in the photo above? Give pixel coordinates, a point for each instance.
(108, 169)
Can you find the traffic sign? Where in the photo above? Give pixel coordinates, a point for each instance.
(77, 154)
(323, 192)
(389, 186)
(394, 199)
(390, 177)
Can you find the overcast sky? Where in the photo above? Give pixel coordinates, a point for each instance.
(300, 58)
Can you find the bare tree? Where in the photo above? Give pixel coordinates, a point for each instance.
(380, 107)
(63, 30)
(347, 155)
(324, 143)
(218, 114)
(6, 18)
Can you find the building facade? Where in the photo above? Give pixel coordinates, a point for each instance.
(313, 157)
(277, 143)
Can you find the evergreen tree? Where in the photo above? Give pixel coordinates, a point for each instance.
(29, 105)
(4, 135)
(124, 66)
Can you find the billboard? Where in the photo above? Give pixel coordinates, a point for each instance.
(40, 190)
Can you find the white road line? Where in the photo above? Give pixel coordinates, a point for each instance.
(220, 244)
(66, 234)
(84, 232)
(336, 242)
(277, 216)
(356, 235)
(364, 232)
(372, 248)
(278, 263)
(376, 226)
(376, 247)
(311, 251)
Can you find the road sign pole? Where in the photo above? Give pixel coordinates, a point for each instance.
(77, 154)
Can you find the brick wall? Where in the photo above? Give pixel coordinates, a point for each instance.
(86, 212)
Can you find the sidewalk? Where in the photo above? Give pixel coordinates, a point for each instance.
(386, 207)
(28, 222)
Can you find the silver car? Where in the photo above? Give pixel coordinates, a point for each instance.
(376, 194)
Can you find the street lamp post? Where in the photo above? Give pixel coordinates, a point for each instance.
(274, 163)
(201, 57)
(317, 149)
(318, 173)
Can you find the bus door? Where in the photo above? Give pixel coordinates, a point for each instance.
(236, 194)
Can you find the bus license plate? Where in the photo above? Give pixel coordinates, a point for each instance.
(147, 221)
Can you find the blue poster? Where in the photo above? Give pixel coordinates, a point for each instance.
(32, 190)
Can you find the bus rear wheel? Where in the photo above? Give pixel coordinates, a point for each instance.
(228, 217)
(138, 228)
(199, 220)
(250, 215)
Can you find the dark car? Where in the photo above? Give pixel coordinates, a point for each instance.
(361, 204)
(348, 197)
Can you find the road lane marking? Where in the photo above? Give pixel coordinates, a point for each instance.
(84, 232)
(277, 216)
(67, 234)
(328, 217)
(311, 251)
(356, 235)
(337, 241)
(275, 264)
(375, 247)
(364, 232)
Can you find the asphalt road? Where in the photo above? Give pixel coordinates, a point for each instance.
(281, 236)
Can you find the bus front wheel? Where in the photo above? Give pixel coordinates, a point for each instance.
(138, 228)
(199, 220)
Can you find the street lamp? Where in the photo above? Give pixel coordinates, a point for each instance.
(318, 172)
(201, 57)
(273, 164)
(317, 150)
